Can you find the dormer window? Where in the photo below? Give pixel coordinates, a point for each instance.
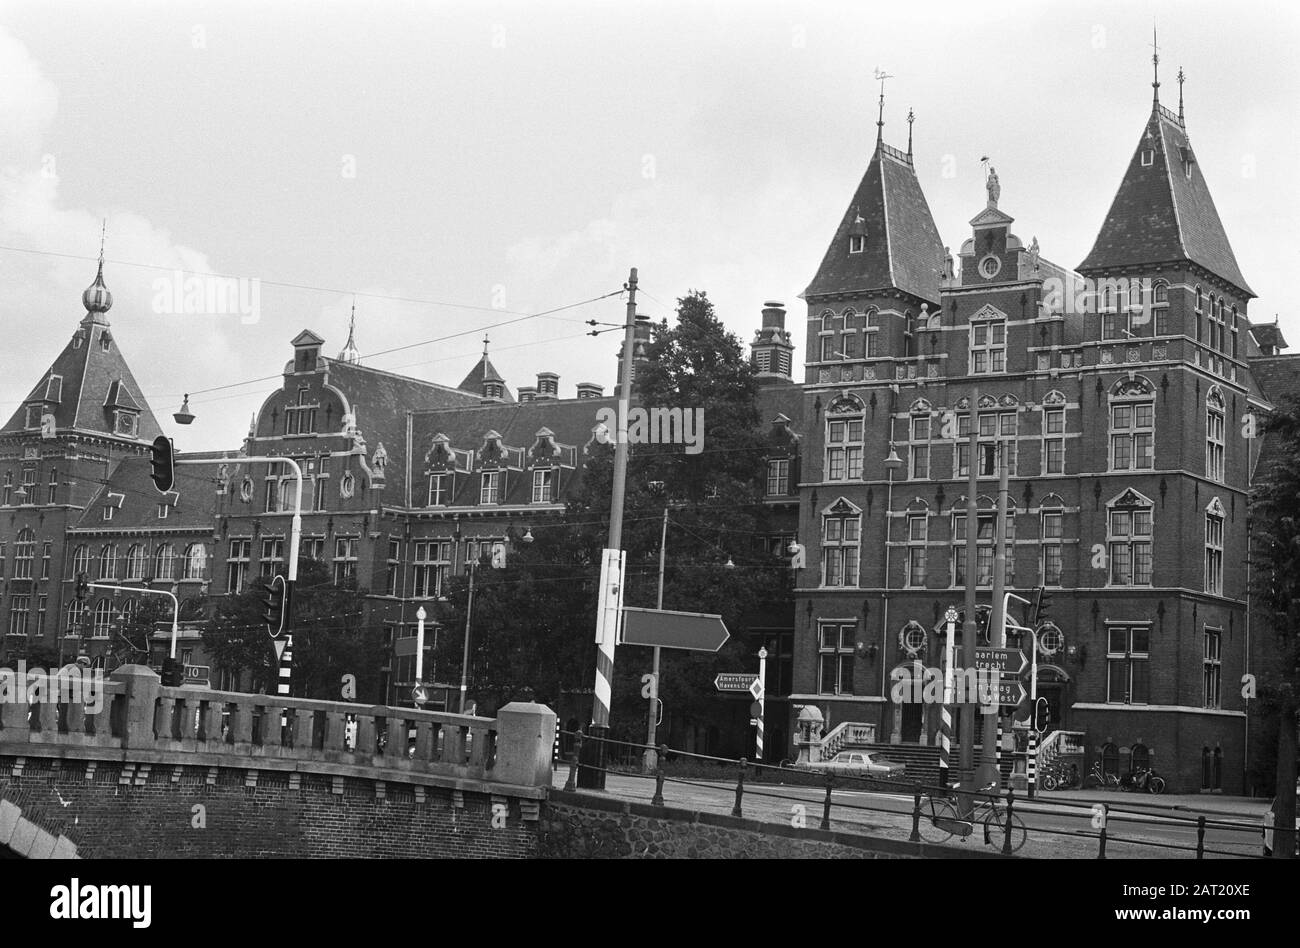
(34, 413)
(857, 243)
(1148, 157)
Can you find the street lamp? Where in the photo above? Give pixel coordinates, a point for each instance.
(892, 463)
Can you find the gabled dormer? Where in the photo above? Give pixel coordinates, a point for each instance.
(306, 351)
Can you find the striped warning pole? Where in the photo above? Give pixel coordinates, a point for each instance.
(1031, 760)
(555, 750)
(998, 751)
(286, 674)
(762, 698)
(945, 713)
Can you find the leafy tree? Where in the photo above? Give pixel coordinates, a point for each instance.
(130, 642)
(1276, 555)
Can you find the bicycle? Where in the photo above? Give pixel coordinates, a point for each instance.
(944, 821)
(1098, 779)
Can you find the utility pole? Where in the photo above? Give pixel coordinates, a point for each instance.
(966, 771)
(609, 605)
(651, 756)
(988, 770)
(464, 661)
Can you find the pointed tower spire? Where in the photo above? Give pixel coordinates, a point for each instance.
(911, 117)
(350, 353)
(97, 299)
(1155, 68)
(1181, 77)
(880, 115)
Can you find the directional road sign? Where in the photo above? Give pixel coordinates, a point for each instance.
(1010, 691)
(420, 694)
(696, 631)
(1009, 660)
(736, 681)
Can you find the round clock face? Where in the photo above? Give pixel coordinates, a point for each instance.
(990, 266)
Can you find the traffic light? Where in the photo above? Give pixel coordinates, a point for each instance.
(1042, 715)
(173, 673)
(983, 615)
(83, 586)
(273, 611)
(1042, 607)
(162, 470)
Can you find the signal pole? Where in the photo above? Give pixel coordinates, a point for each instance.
(969, 631)
(610, 600)
(651, 755)
(988, 770)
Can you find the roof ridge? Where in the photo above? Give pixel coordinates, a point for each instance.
(884, 204)
(331, 363)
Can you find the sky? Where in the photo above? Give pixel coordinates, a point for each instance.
(453, 166)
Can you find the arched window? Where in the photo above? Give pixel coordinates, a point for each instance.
(103, 619)
(1140, 757)
(196, 561)
(76, 616)
(135, 561)
(81, 560)
(1162, 292)
(130, 609)
(1215, 420)
(108, 561)
(828, 321)
(164, 562)
(1110, 759)
(24, 550)
(872, 347)
(1199, 299)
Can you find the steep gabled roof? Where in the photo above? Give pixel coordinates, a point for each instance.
(191, 502)
(1163, 211)
(902, 246)
(484, 371)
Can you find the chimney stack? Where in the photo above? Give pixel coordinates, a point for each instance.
(771, 352)
(527, 393)
(548, 386)
(590, 390)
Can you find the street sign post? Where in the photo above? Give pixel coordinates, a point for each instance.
(1008, 660)
(736, 681)
(695, 631)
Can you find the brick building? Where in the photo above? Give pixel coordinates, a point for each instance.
(1117, 391)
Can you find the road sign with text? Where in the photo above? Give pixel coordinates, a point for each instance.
(1010, 660)
(736, 681)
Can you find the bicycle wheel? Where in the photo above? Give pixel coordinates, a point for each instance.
(1092, 782)
(995, 828)
(936, 826)
(1156, 784)
(1112, 780)
(1049, 782)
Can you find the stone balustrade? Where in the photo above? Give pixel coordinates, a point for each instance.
(138, 715)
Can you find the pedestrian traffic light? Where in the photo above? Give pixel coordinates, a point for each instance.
(273, 611)
(83, 586)
(1042, 715)
(162, 470)
(173, 673)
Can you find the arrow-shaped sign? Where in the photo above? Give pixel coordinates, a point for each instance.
(1010, 691)
(696, 631)
(1009, 660)
(737, 681)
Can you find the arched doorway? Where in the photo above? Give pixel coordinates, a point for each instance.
(1052, 684)
(907, 682)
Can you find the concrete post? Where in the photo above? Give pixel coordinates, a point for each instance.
(140, 694)
(525, 732)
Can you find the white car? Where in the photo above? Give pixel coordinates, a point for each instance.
(860, 763)
(1268, 825)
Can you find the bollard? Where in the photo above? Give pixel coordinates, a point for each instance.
(740, 790)
(826, 804)
(1105, 819)
(1006, 836)
(658, 799)
(572, 782)
(916, 817)
(1200, 837)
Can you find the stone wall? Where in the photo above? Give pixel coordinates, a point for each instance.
(582, 826)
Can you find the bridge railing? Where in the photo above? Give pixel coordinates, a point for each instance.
(133, 710)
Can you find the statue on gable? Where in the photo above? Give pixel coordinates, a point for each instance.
(995, 189)
(1033, 255)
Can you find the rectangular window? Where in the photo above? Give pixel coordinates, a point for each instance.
(840, 546)
(1214, 554)
(7, 492)
(320, 485)
(778, 477)
(162, 511)
(42, 605)
(1162, 321)
(1128, 665)
(1051, 544)
(917, 534)
(844, 450)
(432, 561)
(835, 672)
(345, 560)
(439, 490)
(984, 548)
(542, 481)
(1132, 436)
(1214, 425)
(45, 560)
(988, 347)
(1130, 547)
(1054, 441)
(237, 565)
(1213, 668)
(272, 556)
(490, 489)
(919, 459)
(52, 489)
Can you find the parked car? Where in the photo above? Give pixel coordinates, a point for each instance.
(860, 763)
(1268, 825)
